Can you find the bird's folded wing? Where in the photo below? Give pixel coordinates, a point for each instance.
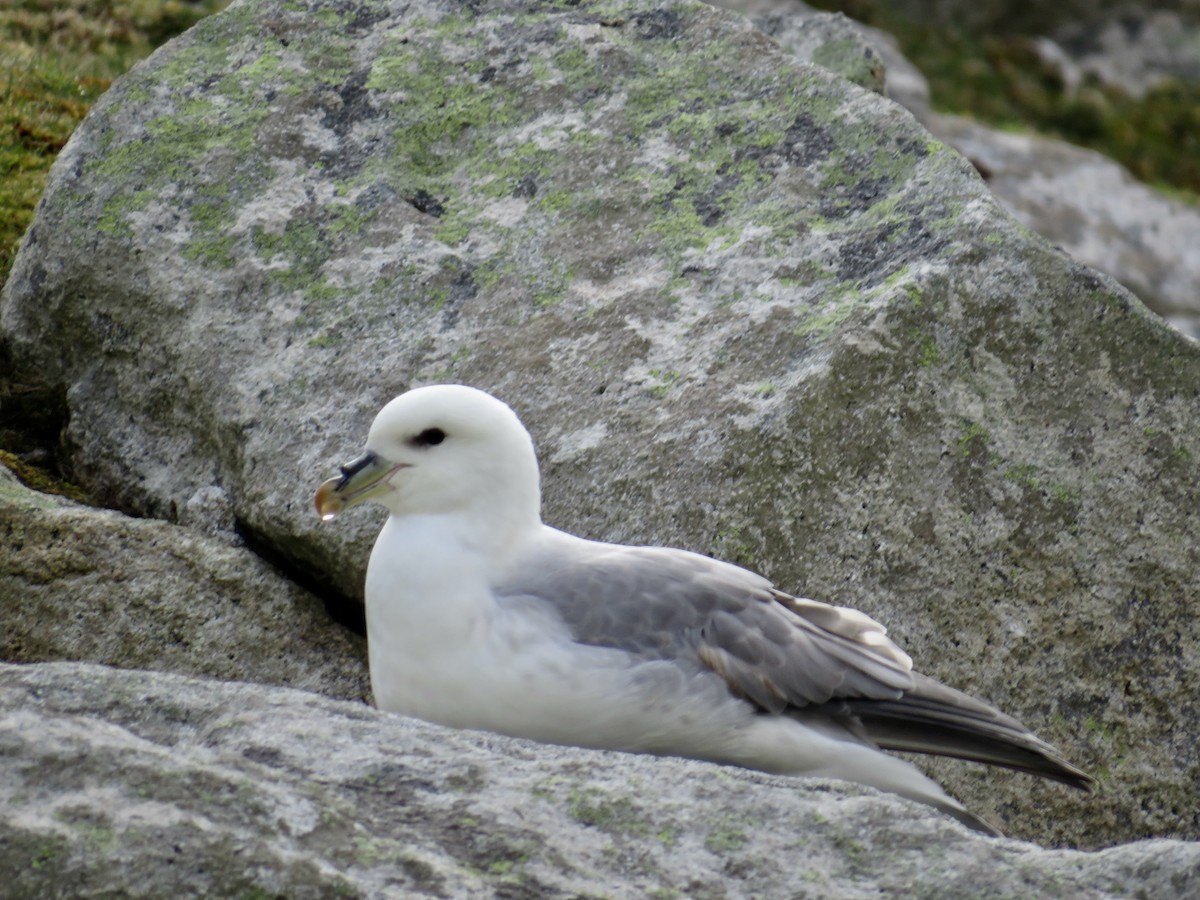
(772, 649)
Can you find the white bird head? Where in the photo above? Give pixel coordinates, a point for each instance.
(442, 449)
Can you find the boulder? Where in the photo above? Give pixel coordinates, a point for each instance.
(146, 785)
(1086, 203)
(828, 40)
(1094, 209)
(94, 585)
(744, 306)
(1135, 49)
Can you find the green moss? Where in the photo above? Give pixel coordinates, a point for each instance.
(448, 131)
(370, 851)
(496, 857)
(713, 123)
(471, 780)
(40, 481)
(346, 218)
(502, 867)
(927, 350)
(848, 59)
(620, 815)
(973, 442)
(664, 381)
(725, 838)
(186, 142)
(1023, 474)
(454, 229)
(92, 828)
(55, 61)
(837, 305)
(556, 201)
(50, 851)
(39, 107)
(320, 295)
(325, 341)
(546, 789)
(853, 852)
(450, 113)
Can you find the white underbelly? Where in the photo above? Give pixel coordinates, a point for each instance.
(443, 649)
(558, 692)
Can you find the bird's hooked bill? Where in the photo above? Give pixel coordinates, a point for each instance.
(360, 480)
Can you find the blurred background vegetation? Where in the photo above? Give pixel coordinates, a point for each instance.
(58, 56)
(981, 61)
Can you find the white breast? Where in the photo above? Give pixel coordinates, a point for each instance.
(441, 649)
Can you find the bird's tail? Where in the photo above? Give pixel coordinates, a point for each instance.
(936, 719)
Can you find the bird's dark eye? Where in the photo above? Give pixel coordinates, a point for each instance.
(430, 437)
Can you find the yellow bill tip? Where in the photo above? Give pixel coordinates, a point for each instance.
(327, 500)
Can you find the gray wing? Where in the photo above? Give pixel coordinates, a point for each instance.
(772, 649)
(776, 651)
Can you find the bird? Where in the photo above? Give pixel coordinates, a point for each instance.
(480, 616)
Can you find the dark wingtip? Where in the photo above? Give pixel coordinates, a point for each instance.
(939, 720)
(1076, 778)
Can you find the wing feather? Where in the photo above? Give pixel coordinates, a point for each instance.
(772, 649)
(783, 654)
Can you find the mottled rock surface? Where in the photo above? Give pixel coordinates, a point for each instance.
(146, 785)
(823, 39)
(1095, 210)
(829, 40)
(1077, 199)
(744, 306)
(96, 586)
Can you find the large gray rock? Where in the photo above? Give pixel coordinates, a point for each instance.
(867, 56)
(146, 785)
(1137, 49)
(828, 40)
(96, 586)
(1078, 199)
(1094, 209)
(744, 306)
